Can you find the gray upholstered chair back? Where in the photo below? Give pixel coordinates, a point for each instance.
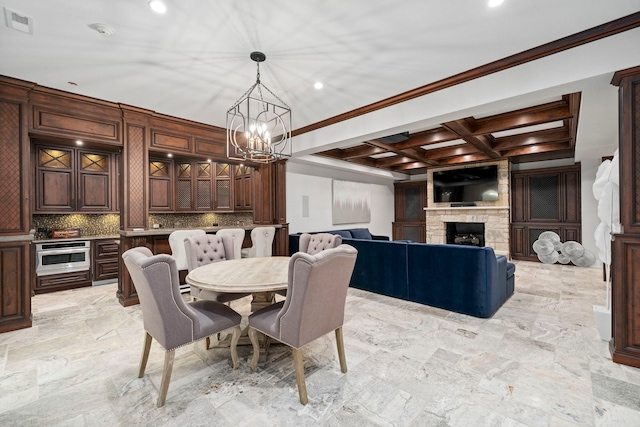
(261, 242)
(237, 234)
(316, 295)
(166, 317)
(206, 249)
(176, 242)
(314, 243)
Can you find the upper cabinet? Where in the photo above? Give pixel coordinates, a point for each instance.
(160, 186)
(198, 186)
(242, 192)
(223, 187)
(74, 180)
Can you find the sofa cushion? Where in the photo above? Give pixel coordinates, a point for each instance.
(360, 233)
(343, 233)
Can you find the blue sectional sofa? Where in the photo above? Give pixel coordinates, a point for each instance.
(465, 279)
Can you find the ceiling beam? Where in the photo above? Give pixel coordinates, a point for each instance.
(573, 100)
(550, 112)
(464, 128)
(409, 152)
(428, 137)
(464, 159)
(536, 149)
(531, 138)
(395, 160)
(409, 166)
(361, 151)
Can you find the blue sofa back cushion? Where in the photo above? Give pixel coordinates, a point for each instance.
(343, 233)
(380, 268)
(360, 233)
(457, 278)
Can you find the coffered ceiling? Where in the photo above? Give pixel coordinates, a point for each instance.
(540, 132)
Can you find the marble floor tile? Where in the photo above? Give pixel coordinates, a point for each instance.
(537, 362)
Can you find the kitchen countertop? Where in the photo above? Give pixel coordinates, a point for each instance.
(167, 231)
(153, 232)
(112, 236)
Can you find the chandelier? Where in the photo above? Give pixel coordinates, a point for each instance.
(259, 123)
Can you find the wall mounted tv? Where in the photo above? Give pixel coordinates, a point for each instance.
(477, 184)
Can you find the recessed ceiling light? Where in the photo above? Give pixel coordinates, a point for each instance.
(318, 85)
(494, 3)
(158, 6)
(79, 142)
(169, 155)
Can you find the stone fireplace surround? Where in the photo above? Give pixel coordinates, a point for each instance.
(494, 215)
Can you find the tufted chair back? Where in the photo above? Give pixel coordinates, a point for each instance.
(206, 249)
(314, 243)
(261, 242)
(237, 234)
(176, 242)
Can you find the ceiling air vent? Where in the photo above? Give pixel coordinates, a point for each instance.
(18, 21)
(393, 139)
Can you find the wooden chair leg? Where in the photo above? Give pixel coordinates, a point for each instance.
(341, 356)
(145, 354)
(166, 376)
(298, 364)
(253, 336)
(235, 336)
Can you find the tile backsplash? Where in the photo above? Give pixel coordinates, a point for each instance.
(89, 225)
(109, 224)
(187, 220)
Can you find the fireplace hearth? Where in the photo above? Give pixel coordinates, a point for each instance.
(465, 233)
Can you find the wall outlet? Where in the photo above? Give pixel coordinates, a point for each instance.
(157, 225)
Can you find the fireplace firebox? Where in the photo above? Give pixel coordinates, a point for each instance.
(465, 233)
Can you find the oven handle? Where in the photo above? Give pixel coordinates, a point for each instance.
(61, 251)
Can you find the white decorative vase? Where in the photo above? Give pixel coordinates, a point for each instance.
(602, 316)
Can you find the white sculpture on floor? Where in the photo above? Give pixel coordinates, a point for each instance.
(550, 250)
(606, 190)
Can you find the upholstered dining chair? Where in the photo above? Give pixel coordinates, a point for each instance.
(176, 243)
(206, 249)
(314, 243)
(314, 307)
(167, 318)
(237, 234)
(261, 242)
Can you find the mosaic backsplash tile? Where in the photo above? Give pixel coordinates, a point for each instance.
(109, 224)
(89, 225)
(188, 220)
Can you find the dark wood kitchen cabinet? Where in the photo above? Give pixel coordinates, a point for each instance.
(222, 200)
(104, 262)
(242, 193)
(198, 186)
(72, 180)
(160, 186)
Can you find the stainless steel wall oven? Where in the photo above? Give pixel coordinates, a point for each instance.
(62, 257)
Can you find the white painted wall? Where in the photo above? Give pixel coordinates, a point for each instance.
(315, 182)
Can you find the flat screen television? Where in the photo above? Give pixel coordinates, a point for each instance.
(477, 184)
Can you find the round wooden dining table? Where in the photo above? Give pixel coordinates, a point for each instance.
(262, 277)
